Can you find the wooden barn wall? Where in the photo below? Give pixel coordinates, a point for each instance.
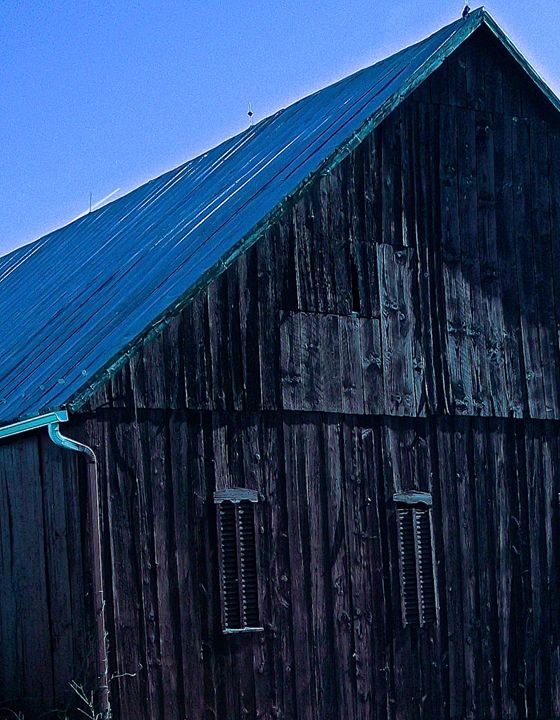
(333, 645)
(418, 278)
(44, 607)
(398, 327)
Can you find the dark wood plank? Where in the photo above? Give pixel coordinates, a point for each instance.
(26, 627)
(312, 368)
(396, 268)
(470, 260)
(430, 296)
(279, 580)
(468, 566)
(290, 361)
(372, 365)
(490, 276)
(513, 352)
(196, 349)
(158, 472)
(351, 365)
(329, 349)
(542, 264)
(247, 270)
(186, 500)
(62, 550)
(269, 339)
(359, 533)
(339, 568)
(298, 540)
(391, 178)
(217, 302)
(455, 282)
(525, 276)
(338, 236)
(452, 593)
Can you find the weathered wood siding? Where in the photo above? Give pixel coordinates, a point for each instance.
(45, 617)
(441, 233)
(334, 645)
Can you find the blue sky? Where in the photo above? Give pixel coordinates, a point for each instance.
(97, 97)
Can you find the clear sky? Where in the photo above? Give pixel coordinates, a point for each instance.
(97, 97)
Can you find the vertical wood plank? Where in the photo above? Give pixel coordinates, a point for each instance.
(298, 540)
(290, 361)
(28, 637)
(490, 277)
(516, 382)
(339, 568)
(457, 292)
(397, 328)
(525, 278)
(351, 365)
(372, 364)
(470, 259)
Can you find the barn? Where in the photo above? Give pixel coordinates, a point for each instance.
(280, 429)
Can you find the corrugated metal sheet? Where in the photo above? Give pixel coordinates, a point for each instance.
(75, 302)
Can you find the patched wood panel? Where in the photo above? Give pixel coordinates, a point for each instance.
(402, 360)
(331, 363)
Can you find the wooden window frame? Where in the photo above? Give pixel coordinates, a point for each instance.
(237, 496)
(418, 504)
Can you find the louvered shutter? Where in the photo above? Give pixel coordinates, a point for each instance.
(237, 551)
(416, 558)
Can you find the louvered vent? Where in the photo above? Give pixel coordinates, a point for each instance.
(238, 559)
(416, 559)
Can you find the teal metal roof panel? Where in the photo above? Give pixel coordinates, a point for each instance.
(75, 303)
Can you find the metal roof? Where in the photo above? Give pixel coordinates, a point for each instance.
(76, 303)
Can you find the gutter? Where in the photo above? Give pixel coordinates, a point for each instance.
(52, 422)
(34, 423)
